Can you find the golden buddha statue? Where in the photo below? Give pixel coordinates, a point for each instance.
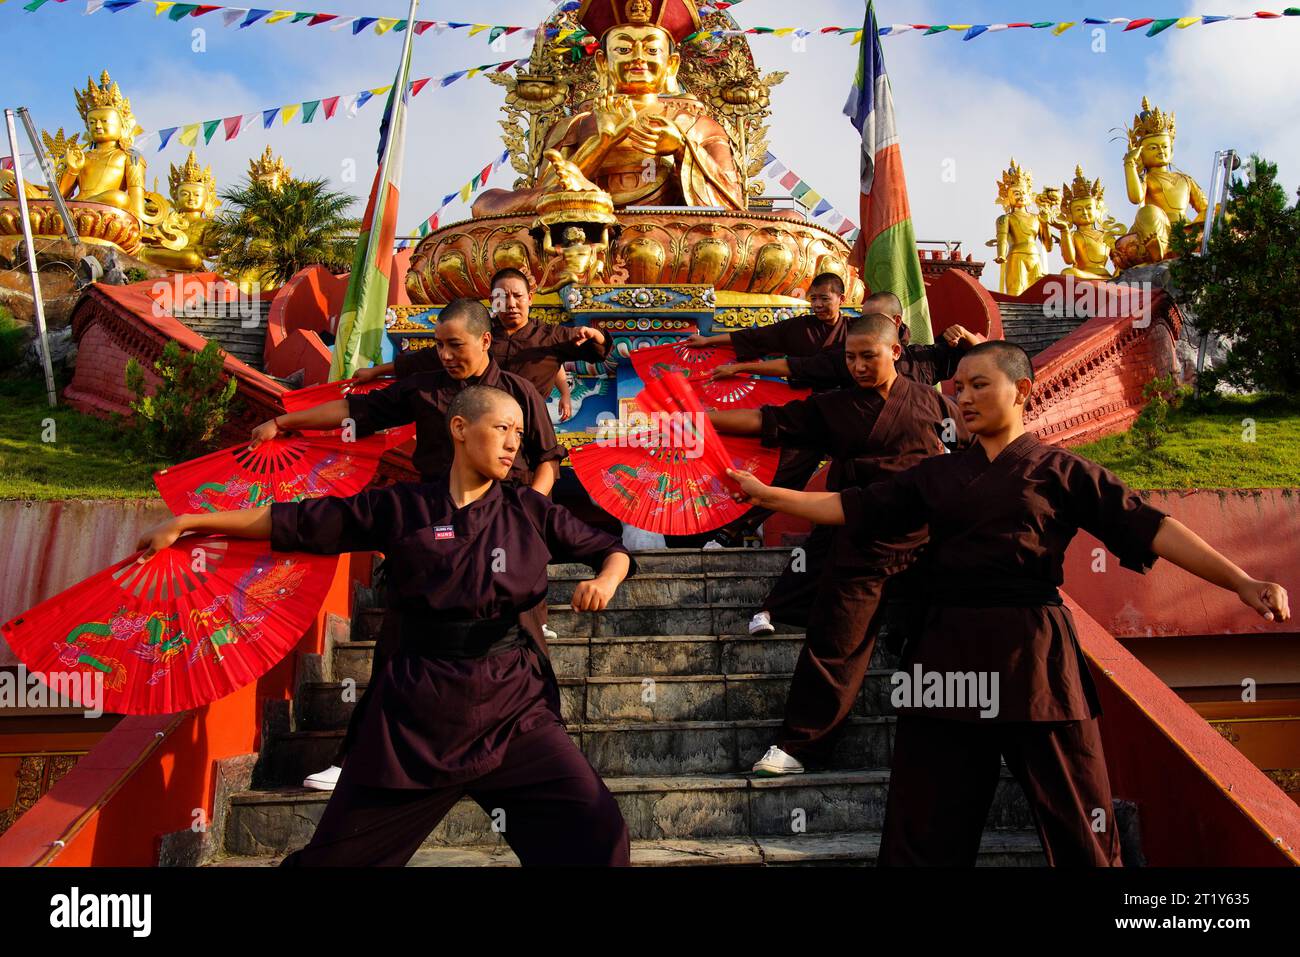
(642, 139)
(269, 170)
(1161, 193)
(104, 172)
(175, 234)
(1088, 235)
(1019, 231)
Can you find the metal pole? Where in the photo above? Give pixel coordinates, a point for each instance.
(1224, 162)
(69, 226)
(37, 301)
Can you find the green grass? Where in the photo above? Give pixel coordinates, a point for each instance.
(89, 458)
(1205, 448)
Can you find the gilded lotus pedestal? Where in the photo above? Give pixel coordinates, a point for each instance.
(733, 251)
(96, 223)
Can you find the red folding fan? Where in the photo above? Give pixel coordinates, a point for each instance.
(697, 365)
(314, 395)
(671, 478)
(197, 621)
(282, 469)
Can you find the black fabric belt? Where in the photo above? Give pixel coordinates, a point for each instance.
(1005, 593)
(431, 637)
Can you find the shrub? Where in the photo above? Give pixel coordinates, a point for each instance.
(182, 417)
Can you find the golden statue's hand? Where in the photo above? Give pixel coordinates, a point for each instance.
(654, 134)
(74, 160)
(615, 115)
(1132, 157)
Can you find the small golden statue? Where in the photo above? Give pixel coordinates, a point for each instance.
(269, 170)
(105, 171)
(1019, 231)
(1088, 235)
(642, 140)
(174, 233)
(575, 208)
(1162, 194)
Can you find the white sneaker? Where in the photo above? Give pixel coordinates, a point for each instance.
(549, 633)
(713, 543)
(775, 762)
(323, 780)
(760, 625)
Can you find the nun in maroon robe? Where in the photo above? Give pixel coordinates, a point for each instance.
(867, 437)
(994, 670)
(469, 703)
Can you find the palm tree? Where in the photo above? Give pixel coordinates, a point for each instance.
(268, 234)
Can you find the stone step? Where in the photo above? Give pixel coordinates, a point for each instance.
(695, 561)
(326, 705)
(998, 848)
(717, 618)
(691, 807)
(643, 655)
(616, 748)
(656, 590)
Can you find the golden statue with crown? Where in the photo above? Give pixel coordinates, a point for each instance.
(638, 164)
(1161, 193)
(269, 170)
(102, 177)
(174, 231)
(1088, 233)
(1019, 231)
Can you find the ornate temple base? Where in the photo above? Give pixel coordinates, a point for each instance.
(96, 223)
(760, 253)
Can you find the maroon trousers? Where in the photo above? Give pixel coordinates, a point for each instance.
(554, 807)
(791, 599)
(846, 617)
(945, 773)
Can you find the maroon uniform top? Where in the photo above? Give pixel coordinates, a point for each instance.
(800, 336)
(869, 438)
(434, 720)
(998, 534)
(423, 398)
(534, 352)
(829, 369)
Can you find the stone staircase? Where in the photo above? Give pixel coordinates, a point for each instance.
(672, 702)
(243, 335)
(1026, 325)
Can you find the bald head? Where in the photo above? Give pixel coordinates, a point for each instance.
(885, 302)
(478, 322)
(479, 400)
(1011, 359)
(875, 326)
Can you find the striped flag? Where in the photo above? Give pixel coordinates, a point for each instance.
(885, 251)
(360, 336)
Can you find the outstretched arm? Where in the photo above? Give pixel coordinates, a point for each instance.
(697, 340)
(238, 523)
(737, 421)
(1179, 544)
(770, 367)
(327, 415)
(820, 508)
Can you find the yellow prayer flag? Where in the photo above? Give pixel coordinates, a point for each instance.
(1062, 27)
(384, 24)
(1186, 22)
(190, 134)
(811, 198)
(380, 91)
(464, 192)
(783, 31)
(279, 15)
(857, 38)
(477, 28)
(160, 8)
(289, 112)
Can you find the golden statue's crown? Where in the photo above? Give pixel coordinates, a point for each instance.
(1082, 188)
(105, 95)
(1152, 121)
(1015, 176)
(268, 165)
(191, 172)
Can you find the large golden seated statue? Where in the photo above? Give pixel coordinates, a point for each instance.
(674, 170)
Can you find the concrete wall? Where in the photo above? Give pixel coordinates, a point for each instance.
(50, 546)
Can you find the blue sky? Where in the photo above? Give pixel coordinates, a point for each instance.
(964, 108)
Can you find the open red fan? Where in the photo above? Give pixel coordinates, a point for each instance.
(314, 395)
(282, 469)
(197, 621)
(697, 366)
(671, 478)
